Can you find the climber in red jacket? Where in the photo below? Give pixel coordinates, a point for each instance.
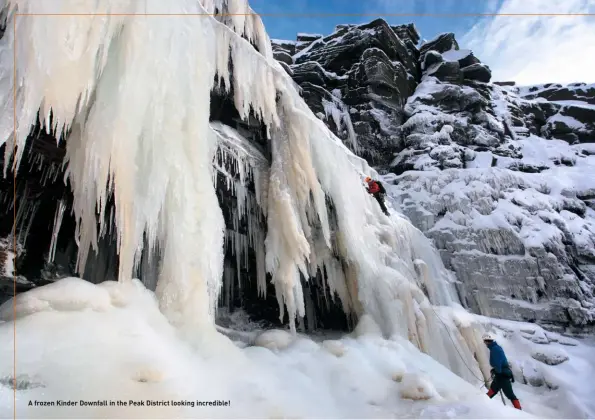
(377, 190)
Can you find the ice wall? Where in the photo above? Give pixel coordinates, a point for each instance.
(133, 93)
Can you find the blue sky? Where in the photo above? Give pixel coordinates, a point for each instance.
(527, 49)
(429, 27)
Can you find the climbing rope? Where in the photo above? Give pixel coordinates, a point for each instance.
(483, 381)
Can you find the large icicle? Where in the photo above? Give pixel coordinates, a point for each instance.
(247, 162)
(141, 129)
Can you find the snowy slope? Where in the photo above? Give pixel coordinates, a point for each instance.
(133, 353)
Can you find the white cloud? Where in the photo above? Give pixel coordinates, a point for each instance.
(537, 49)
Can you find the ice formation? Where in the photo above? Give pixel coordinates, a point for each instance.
(132, 93)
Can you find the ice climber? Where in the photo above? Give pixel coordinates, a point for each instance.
(377, 190)
(502, 377)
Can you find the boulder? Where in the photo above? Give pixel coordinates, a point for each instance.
(447, 71)
(478, 72)
(431, 58)
(550, 356)
(441, 43)
(283, 56)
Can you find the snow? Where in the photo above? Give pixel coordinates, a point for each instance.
(514, 199)
(536, 89)
(7, 263)
(455, 55)
(133, 353)
(580, 104)
(568, 120)
(482, 160)
(339, 112)
(307, 35)
(283, 41)
(307, 49)
(549, 356)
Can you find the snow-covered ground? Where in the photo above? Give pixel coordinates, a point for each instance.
(552, 372)
(78, 341)
(82, 342)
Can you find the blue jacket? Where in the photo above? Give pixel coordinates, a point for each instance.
(498, 359)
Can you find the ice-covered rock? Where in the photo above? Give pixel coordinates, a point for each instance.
(417, 387)
(274, 339)
(550, 356)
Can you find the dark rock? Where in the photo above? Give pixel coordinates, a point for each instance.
(283, 45)
(431, 58)
(468, 60)
(286, 68)
(338, 52)
(407, 32)
(505, 83)
(283, 56)
(374, 70)
(478, 72)
(447, 71)
(311, 72)
(556, 92)
(444, 42)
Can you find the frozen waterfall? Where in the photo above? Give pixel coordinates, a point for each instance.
(132, 93)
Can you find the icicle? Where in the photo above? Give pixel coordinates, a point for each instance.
(57, 224)
(340, 114)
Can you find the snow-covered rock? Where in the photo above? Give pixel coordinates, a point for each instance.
(522, 244)
(374, 67)
(549, 356)
(219, 178)
(416, 387)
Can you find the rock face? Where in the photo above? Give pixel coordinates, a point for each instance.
(497, 180)
(358, 80)
(500, 177)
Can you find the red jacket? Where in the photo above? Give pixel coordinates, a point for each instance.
(373, 187)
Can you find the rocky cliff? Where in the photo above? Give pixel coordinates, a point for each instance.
(501, 177)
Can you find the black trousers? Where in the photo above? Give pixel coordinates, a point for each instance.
(380, 200)
(502, 383)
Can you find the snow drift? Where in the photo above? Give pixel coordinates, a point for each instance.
(129, 351)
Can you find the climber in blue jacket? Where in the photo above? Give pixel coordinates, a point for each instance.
(501, 373)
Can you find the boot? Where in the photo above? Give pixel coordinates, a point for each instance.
(516, 404)
(490, 393)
